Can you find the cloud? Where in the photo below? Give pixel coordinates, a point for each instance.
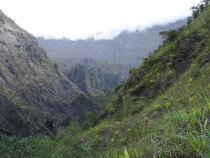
(106, 35)
(97, 19)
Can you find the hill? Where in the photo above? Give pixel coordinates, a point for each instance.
(35, 96)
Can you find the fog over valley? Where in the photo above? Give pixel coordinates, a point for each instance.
(127, 48)
(97, 19)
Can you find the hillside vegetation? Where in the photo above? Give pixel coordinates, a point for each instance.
(161, 110)
(95, 78)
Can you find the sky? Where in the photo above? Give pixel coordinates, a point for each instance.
(96, 19)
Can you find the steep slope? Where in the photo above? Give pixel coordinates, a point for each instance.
(162, 109)
(88, 83)
(35, 97)
(111, 74)
(95, 78)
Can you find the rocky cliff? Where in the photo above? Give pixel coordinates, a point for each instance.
(95, 78)
(87, 82)
(35, 97)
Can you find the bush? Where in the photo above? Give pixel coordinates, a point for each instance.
(170, 35)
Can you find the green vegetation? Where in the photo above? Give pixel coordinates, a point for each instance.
(161, 110)
(92, 77)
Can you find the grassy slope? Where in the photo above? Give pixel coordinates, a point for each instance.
(172, 123)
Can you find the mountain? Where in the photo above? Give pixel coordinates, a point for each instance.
(35, 96)
(161, 110)
(95, 78)
(88, 83)
(120, 54)
(127, 48)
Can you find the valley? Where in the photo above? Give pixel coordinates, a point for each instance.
(79, 102)
(96, 66)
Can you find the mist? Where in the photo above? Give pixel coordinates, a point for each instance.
(93, 19)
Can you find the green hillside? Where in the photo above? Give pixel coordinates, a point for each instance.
(162, 110)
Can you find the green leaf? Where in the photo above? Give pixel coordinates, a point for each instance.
(126, 153)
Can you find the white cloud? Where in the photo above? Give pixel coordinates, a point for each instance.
(98, 19)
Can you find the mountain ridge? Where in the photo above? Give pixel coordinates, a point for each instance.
(43, 98)
(127, 48)
(95, 78)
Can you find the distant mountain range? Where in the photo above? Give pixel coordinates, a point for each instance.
(95, 66)
(127, 48)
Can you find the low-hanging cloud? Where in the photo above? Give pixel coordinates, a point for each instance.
(96, 19)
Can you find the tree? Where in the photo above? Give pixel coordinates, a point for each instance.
(170, 35)
(195, 11)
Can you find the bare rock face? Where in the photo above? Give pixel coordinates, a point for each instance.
(35, 97)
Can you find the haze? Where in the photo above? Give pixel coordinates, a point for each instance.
(96, 19)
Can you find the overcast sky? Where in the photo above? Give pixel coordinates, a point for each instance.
(98, 19)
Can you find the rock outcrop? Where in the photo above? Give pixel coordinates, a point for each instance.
(35, 96)
(88, 83)
(95, 78)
